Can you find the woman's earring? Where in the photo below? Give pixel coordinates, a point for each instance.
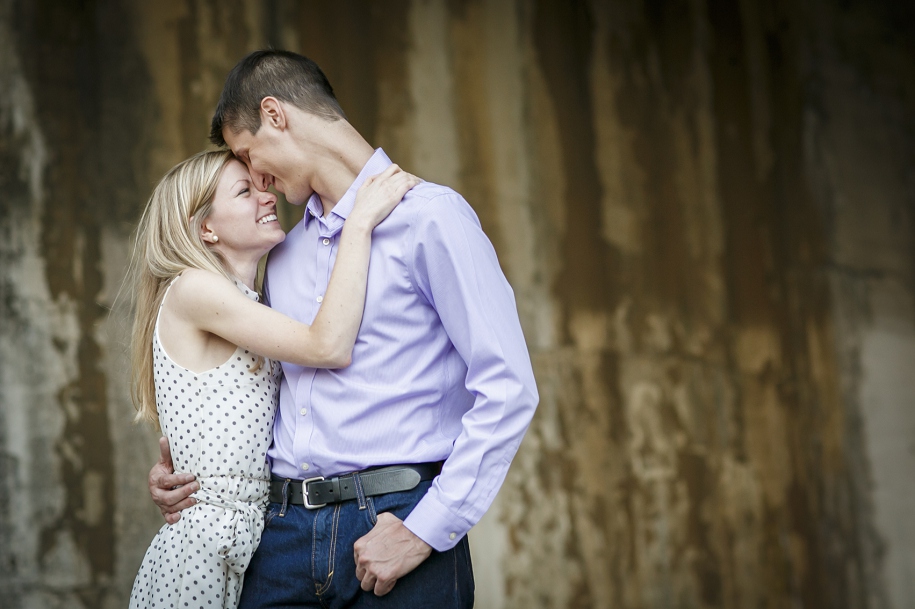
(215, 238)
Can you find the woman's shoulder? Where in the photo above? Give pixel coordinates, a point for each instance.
(200, 278)
(192, 287)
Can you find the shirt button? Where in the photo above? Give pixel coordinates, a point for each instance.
(452, 536)
(320, 299)
(305, 467)
(326, 242)
(303, 412)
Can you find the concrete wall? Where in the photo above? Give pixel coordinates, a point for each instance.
(705, 209)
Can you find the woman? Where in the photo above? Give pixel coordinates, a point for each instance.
(203, 353)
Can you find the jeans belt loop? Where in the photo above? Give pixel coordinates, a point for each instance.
(282, 513)
(360, 492)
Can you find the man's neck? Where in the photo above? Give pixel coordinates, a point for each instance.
(338, 163)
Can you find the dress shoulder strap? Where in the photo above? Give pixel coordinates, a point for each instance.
(162, 302)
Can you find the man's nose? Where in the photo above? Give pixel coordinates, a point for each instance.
(259, 179)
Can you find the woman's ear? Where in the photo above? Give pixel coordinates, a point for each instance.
(207, 234)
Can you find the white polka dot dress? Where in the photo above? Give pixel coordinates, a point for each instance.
(219, 425)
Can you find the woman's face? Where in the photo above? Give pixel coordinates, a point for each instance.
(242, 224)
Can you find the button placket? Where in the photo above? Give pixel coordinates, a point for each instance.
(304, 426)
(324, 266)
(324, 258)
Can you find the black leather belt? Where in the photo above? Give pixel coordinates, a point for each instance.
(319, 491)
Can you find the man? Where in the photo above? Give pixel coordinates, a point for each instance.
(440, 384)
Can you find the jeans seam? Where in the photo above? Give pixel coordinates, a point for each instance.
(331, 555)
(314, 550)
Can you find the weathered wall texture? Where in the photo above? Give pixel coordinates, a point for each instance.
(706, 208)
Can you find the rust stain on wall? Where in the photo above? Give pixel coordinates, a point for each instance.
(472, 99)
(342, 38)
(776, 232)
(562, 34)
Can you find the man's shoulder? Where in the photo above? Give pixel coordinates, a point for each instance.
(427, 191)
(428, 199)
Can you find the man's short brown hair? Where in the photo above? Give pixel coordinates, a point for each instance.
(287, 76)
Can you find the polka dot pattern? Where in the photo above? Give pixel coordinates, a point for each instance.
(219, 424)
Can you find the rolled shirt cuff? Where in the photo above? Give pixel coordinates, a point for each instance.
(436, 525)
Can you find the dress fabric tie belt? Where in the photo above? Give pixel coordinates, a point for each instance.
(239, 528)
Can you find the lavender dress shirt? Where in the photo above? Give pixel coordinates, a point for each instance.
(440, 369)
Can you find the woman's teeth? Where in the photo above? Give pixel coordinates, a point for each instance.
(267, 218)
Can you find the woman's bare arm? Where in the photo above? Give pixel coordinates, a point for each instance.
(213, 304)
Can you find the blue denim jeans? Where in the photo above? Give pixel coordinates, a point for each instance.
(305, 559)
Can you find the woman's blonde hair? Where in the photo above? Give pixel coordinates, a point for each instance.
(168, 241)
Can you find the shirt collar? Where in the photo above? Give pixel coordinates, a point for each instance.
(377, 163)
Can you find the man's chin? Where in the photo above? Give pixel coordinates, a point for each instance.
(293, 198)
(297, 198)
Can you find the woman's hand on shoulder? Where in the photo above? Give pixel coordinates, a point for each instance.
(379, 195)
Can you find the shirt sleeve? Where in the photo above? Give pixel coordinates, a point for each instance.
(455, 268)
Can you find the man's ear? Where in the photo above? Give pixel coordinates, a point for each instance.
(273, 113)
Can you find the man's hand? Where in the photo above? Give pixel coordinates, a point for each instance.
(386, 553)
(170, 491)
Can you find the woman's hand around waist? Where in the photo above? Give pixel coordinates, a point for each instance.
(171, 492)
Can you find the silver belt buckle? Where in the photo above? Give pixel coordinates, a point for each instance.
(311, 506)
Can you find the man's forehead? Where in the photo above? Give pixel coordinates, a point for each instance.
(240, 153)
(238, 142)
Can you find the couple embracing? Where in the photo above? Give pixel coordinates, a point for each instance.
(334, 448)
